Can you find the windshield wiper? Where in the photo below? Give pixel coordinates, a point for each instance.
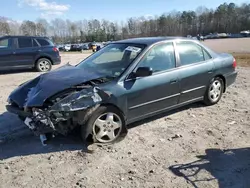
(105, 79)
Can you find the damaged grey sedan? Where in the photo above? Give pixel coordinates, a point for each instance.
(124, 82)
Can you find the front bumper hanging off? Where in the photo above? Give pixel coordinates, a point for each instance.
(38, 121)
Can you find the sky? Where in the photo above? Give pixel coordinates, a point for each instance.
(113, 10)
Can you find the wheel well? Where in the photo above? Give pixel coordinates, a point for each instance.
(116, 107)
(46, 57)
(224, 81)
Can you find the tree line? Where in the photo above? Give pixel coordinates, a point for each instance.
(226, 18)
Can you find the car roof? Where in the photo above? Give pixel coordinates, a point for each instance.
(149, 40)
(21, 36)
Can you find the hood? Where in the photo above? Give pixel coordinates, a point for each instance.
(36, 91)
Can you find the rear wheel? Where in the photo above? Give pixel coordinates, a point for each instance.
(214, 91)
(106, 125)
(43, 65)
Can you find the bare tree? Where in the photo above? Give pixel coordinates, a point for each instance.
(227, 17)
(28, 28)
(4, 28)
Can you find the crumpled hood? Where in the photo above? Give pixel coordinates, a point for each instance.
(36, 91)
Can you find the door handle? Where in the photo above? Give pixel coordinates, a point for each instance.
(210, 72)
(173, 81)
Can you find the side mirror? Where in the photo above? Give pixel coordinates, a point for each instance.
(143, 71)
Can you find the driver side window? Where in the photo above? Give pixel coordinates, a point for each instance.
(159, 58)
(4, 43)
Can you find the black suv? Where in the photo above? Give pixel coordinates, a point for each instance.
(28, 52)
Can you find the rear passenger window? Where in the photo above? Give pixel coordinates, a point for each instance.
(43, 42)
(4, 43)
(35, 43)
(24, 42)
(190, 52)
(207, 56)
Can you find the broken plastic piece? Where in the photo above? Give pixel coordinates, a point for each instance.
(43, 139)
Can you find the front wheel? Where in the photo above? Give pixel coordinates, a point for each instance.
(106, 125)
(214, 91)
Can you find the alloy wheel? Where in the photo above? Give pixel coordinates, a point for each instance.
(44, 65)
(107, 127)
(215, 91)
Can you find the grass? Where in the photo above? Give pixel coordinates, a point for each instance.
(243, 59)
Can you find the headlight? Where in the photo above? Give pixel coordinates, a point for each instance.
(23, 83)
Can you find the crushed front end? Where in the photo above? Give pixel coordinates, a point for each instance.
(58, 101)
(62, 112)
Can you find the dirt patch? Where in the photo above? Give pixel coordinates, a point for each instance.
(240, 45)
(243, 59)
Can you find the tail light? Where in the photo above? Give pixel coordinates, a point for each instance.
(234, 63)
(55, 49)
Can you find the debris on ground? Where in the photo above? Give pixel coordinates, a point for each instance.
(174, 137)
(231, 123)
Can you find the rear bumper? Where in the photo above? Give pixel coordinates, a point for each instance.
(57, 60)
(230, 78)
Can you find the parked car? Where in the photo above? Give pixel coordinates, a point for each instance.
(222, 35)
(94, 45)
(212, 36)
(235, 35)
(67, 47)
(28, 52)
(75, 47)
(79, 47)
(85, 46)
(245, 33)
(123, 82)
(60, 47)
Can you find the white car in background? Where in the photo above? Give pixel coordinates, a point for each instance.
(67, 47)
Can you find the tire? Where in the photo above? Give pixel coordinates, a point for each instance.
(91, 132)
(213, 94)
(43, 65)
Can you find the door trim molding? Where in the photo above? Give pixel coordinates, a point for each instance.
(153, 101)
(164, 110)
(194, 89)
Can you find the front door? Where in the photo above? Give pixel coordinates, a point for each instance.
(147, 95)
(196, 70)
(25, 52)
(6, 53)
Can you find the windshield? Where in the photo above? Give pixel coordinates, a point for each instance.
(113, 59)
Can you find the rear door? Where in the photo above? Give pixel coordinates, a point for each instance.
(6, 52)
(196, 70)
(26, 51)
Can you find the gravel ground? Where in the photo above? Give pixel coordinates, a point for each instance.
(196, 146)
